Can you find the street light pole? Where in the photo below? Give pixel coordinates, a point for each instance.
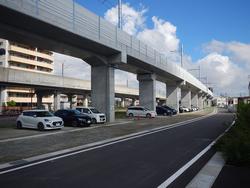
(181, 54)
(120, 14)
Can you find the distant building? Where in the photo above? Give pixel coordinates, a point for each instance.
(23, 57)
(221, 101)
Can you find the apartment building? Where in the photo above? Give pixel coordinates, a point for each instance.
(23, 57)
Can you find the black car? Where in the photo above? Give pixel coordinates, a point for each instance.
(163, 111)
(74, 118)
(174, 112)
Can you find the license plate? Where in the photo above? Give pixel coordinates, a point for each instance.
(57, 124)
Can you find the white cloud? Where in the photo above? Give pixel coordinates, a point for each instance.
(223, 74)
(73, 67)
(239, 52)
(132, 20)
(161, 37)
(125, 78)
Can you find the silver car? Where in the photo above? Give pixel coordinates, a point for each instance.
(39, 119)
(140, 111)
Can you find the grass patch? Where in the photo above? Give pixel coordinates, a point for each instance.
(120, 114)
(235, 144)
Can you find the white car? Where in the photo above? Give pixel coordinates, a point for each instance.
(39, 119)
(185, 109)
(140, 111)
(96, 116)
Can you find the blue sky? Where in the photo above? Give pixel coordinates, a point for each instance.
(197, 21)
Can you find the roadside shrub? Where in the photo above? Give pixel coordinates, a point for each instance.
(235, 144)
(11, 103)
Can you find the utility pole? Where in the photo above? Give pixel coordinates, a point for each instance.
(182, 55)
(62, 69)
(199, 69)
(120, 14)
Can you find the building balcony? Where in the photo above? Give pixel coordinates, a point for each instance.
(30, 52)
(30, 62)
(28, 99)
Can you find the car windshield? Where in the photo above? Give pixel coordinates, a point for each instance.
(44, 114)
(146, 109)
(76, 112)
(95, 111)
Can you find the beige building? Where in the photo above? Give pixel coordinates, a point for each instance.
(28, 58)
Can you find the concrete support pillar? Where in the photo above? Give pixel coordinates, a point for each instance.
(194, 99)
(133, 102)
(208, 102)
(39, 100)
(204, 101)
(147, 88)
(186, 98)
(123, 102)
(200, 101)
(85, 101)
(103, 90)
(173, 96)
(70, 100)
(3, 98)
(56, 100)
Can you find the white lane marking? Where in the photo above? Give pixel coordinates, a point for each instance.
(62, 131)
(172, 178)
(111, 141)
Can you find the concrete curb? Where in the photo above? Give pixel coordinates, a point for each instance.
(208, 174)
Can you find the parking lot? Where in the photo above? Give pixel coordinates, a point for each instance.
(17, 144)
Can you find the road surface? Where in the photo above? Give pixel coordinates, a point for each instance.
(145, 161)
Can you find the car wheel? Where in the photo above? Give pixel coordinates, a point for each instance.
(19, 125)
(148, 115)
(74, 123)
(130, 115)
(94, 121)
(40, 126)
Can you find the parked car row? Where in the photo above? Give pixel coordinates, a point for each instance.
(140, 111)
(85, 116)
(185, 109)
(45, 120)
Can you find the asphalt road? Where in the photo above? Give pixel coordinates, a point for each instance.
(141, 162)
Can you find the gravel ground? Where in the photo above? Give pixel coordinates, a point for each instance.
(24, 148)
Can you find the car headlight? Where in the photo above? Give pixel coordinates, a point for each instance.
(80, 119)
(47, 121)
